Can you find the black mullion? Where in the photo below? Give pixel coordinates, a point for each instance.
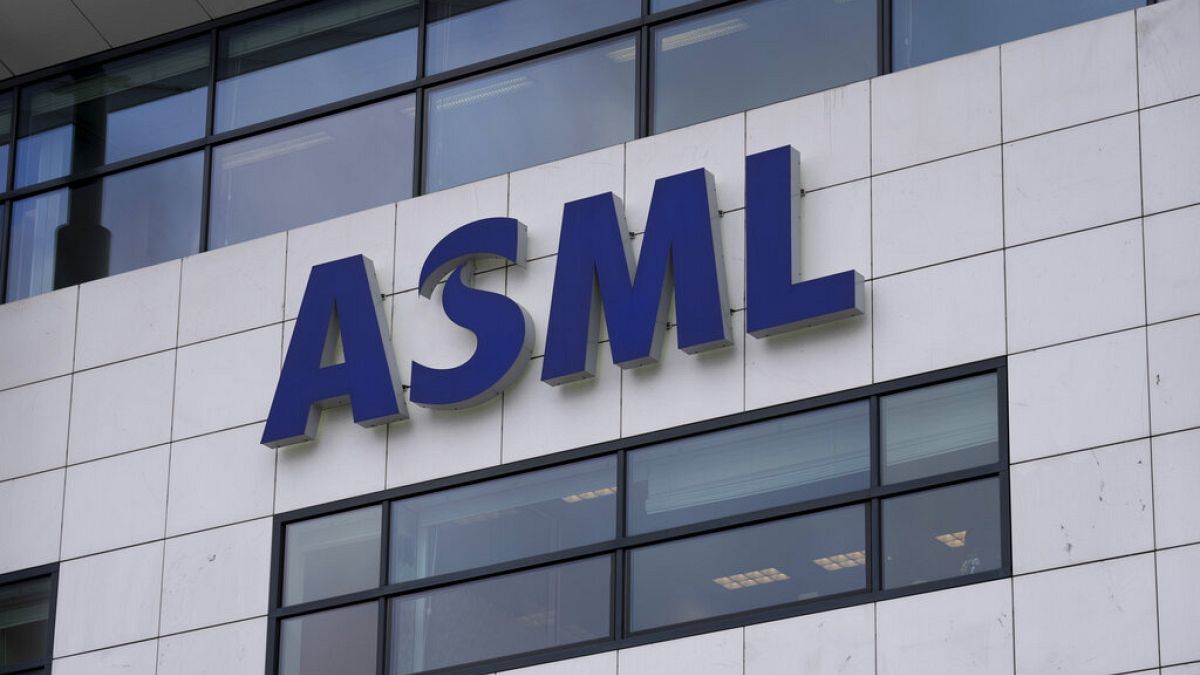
(381, 639)
(644, 95)
(885, 36)
(275, 593)
(620, 595)
(214, 54)
(5, 227)
(418, 158)
(12, 141)
(385, 548)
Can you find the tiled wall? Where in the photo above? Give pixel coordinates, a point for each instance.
(1041, 199)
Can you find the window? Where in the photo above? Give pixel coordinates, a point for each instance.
(890, 490)
(27, 619)
(6, 119)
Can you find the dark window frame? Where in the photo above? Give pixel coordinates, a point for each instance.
(620, 546)
(44, 571)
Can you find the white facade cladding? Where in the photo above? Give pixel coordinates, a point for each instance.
(1038, 201)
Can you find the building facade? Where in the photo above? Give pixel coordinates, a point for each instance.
(968, 442)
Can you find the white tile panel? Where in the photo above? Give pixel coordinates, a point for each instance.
(1179, 604)
(139, 658)
(961, 630)
(718, 146)
(537, 194)
(712, 654)
(1176, 500)
(422, 332)
(939, 316)
(1075, 286)
(604, 663)
(733, 256)
(38, 335)
(217, 576)
(221, 478)
(1094, 618)
(835, 231)
(371, 233)
(437, 443)
(1186, 669)
(937, 212)
(683, 388)
(108, 599)
(115, 502)
(1083, 506)
(423, 221)
(1171, 155)
(840, 642)
(940, 109)
(1168, 51)
(810, 362)
(226, 382)
(831, 129)
(532, 287)
(121, 407)
(1072, 179)
(1172, 275)
(232, 649)
(1078, 395)
(344, 460)
(34, 420)
(232, 289)
(1174, 375)
(30, 520)
(1069, 76)
(128, 315)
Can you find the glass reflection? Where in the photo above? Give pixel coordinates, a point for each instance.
(509, 614)
(939, 429)
(333, 555)
(462, 32)
(928, 30)
(941, 534)
(126, 221)
(504, 519)
(122, 109)
(660, 5)
(748, 568)
(312, 172)
(339, 641)
(314, 55)
(758, 53)
(24, 621)
(755, 466)
(537, 112)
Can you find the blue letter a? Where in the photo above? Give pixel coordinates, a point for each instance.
(342, 293)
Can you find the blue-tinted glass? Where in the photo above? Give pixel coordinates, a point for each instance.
(748, 568)
(928, 30)
(510, 614)
(467, 31)
(338, 641)
(24, 621)
(660, 5)
(755, 466)
(332, 555)
(314, 55)
(757, 53)
(941, 534)
(312, 172)
(120, 110)
(5, 137)
(525, 115)
(939, 429)
(504, 519)
(126, 221)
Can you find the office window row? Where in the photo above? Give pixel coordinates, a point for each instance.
(27, 620)
(901, 490)
(336, 106)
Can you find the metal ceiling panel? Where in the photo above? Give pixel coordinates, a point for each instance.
(124, 21)
(39, 33)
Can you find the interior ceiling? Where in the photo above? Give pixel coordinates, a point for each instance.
(35, 34)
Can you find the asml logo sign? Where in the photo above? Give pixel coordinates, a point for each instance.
(680, 254)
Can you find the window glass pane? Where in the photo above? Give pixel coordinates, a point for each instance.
(467, 31)
(339, 641)
(759, 53)
(314, 55)
(755, 466)
(939, 429)
(24, 621)
(510, 614)
(748, 568)
(126, 221)
(504, 519)
(928, 30)
(942, 533)
(660, 5)
(529, 114)
(312, 172)
(5, 137)
(330, 556)
(120, 110)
